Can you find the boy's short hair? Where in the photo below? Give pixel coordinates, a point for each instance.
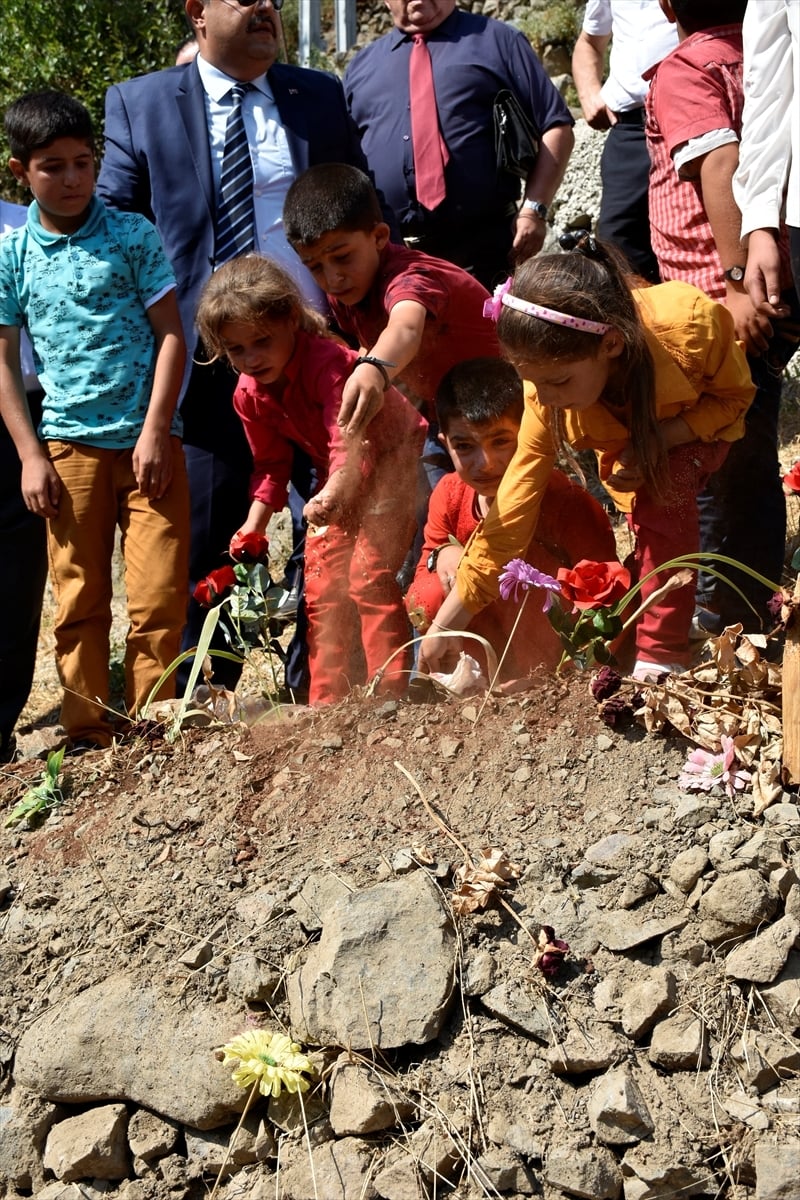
(479, 390)
(39, 118)
(697, 15)
(330, 197)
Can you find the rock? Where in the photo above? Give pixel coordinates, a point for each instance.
(744, 1108)
(763, 1059)
(639, 887)
(24, 1126)
(90, 1146)
(503, 1172)
(126, 1040)
(657, 1174)
(382, 974)
(762, 958)
(197, 956)
(687, 867)
(722, 847)
(679, 1043)
(783, 996)
(578, 1053)
(735, 904)
(399, 1179)
(614, 850)
(342, 1171)
(321, 891)
(763, 852)
(365, 1101)
(693, 811)
(778, 1170)
(617, 1110)
(582, 1171)
(518, 1007)
(648, 1000)
(256, 908)
(151, 1137)
(478, 973)
(252, 979)
(620, 930)
(783, 814)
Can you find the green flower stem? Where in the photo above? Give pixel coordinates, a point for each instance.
(520, 611)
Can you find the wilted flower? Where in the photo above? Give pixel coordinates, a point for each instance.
(551, 951)
(249, 547)
(703, 770)
(272, 1060)
(214, 586)
(616, 712)
(605, 683)
(591, 584)
(519, 574)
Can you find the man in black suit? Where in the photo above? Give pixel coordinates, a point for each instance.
(164, 137)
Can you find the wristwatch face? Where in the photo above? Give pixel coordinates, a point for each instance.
(735, 274)
(432, 559)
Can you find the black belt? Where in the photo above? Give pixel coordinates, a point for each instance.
(632, 116)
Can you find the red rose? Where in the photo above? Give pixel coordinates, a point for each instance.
(594, 584)
(214, 586)
(791, 480)
(249, 547)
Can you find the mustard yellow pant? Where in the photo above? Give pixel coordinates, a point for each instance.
(99, 494)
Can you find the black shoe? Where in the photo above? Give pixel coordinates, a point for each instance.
(81, 746)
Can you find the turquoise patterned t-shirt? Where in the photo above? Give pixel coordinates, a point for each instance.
(83, 299)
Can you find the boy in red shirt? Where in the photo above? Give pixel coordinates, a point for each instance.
(479, 407)
(415, 316)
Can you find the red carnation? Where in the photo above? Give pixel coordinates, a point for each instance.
(594, 584)
(250, 547)
(214, 586)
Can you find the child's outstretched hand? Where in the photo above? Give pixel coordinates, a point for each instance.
(627, 474)
(328, 506)
(362, 399)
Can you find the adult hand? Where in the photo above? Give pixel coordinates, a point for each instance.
(529, 234)
(762, 276)
(362, 399)
(41, 487)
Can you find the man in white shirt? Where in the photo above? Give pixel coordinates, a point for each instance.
(640, 35)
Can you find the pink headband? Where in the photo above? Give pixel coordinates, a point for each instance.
(502, 296)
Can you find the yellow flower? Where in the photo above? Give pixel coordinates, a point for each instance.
(270, 1059)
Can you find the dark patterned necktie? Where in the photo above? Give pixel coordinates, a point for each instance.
(235, 219)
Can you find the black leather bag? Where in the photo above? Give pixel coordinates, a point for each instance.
(516, 138)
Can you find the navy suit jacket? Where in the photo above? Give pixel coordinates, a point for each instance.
(157, 159)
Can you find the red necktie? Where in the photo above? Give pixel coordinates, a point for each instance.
(430, 152)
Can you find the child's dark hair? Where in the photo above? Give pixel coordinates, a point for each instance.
(595, 288)
(38, 118)
(696, 15)
(251, 289)
(479, 390)
(331, 196)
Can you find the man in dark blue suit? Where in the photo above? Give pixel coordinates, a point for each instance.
(164, 136)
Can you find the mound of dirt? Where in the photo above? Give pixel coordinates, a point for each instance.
(146, 869)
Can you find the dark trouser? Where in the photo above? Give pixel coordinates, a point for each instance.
(219, 465)
(483, 249)
(743, 509)
(624, 219)
(23, 549)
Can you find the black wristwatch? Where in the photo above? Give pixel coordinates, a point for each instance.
(433, 558)
(735, 274)
(380, 363)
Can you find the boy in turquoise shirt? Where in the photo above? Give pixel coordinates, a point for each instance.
(96, 295)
